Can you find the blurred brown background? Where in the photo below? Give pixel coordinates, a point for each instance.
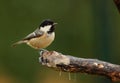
(86, 28)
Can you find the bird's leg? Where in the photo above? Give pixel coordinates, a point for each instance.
(43, 49)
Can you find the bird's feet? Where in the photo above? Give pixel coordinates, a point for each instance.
(42, 51)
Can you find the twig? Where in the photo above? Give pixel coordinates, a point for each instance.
(117, 3)
(67, 63)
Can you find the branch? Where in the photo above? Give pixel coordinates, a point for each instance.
(67, 63)
(117, 3)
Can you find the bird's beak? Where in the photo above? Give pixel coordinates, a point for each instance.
(55, 23)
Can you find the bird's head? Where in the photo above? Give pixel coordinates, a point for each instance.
(47, 26)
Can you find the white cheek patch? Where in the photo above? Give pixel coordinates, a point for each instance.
(46, 28)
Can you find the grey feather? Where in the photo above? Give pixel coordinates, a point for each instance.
(36, 33)
(19, 42)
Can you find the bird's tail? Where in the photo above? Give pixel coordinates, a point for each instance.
(19, 42)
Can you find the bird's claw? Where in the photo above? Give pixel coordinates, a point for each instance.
(42, 51)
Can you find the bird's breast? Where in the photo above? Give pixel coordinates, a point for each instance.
(42, 41)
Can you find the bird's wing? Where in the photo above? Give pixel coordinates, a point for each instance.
(36, 33)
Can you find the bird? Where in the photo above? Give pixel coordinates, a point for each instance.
(42, 37)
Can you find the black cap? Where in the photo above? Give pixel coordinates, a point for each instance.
(46, 22)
